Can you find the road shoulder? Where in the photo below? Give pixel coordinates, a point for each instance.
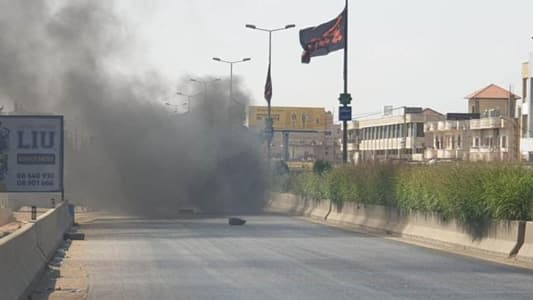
(442, 247)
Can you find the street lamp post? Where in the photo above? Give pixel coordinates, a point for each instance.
(205, 83)
(269, 126)
(176, 107)
(231, 63)
(189, 97)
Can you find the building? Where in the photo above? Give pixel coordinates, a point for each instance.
(300, 133)
(489, 132)
(525, 111)
(396, 135)
(492, 98)
(450, 138)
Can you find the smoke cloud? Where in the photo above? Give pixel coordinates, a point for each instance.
(125, 149)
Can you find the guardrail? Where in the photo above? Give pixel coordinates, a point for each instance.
(25, 253)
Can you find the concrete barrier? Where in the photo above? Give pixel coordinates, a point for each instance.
(502, 238)
(368, 216)
(50, 228)
(526, 251)
(6, 216)
(296, 205)
(25, 253)
(283, 203)
(497, 237)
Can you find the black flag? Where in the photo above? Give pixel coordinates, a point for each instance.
(268, 86)
(324, 38)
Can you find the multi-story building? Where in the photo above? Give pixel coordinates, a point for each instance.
(489, 132)
(450, 138)
(300, 133)
(396, 135)
(525, 111)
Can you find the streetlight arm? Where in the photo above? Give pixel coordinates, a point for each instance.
(204, 81)
(231, 61)
(289, 26)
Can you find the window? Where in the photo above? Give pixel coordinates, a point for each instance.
(504, 142)
(419, 129)
(459, 142)
(488, 141)
(524, 89)
(476, 141)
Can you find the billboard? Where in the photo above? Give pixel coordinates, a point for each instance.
(31, 153)
(288, 118)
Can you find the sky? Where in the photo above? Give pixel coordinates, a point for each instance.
(401, 53)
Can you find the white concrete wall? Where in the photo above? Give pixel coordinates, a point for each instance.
(25, 253)
(526, 251)
(498, 237)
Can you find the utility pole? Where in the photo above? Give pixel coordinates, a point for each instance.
(205, 83)
(345, 98)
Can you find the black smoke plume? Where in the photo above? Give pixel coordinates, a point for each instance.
(125, 149)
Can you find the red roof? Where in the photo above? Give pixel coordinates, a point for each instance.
(492, 91)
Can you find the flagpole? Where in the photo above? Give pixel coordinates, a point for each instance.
(270, 122)
(344, 122)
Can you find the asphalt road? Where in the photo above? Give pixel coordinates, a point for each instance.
(274, 257)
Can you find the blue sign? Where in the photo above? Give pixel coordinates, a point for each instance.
(345, 113)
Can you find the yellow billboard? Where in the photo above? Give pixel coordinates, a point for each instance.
(288, 118)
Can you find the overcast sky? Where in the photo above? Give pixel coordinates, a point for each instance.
(409, 52)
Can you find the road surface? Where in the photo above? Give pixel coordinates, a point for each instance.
(276, 257)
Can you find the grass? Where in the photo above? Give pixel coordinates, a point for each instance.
(470, 192)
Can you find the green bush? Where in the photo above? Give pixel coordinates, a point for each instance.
(509, 193)
(469, 192)
(321, 167)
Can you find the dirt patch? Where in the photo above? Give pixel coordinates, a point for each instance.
(10, 228)
(21, 217)
(65, 277)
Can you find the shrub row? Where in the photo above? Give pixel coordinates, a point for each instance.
(468, 192)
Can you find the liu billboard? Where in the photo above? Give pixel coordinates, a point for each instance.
(31, 153)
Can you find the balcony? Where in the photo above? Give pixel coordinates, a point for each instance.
(430, 126)
(486, 123)
(353, 147)
(450, 125)
(443, 126)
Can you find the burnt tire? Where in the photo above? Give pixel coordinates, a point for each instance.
(236, 221)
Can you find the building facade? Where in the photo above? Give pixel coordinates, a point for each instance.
(396, 135)
(525, 112)
(300, 133)
(489, 132)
